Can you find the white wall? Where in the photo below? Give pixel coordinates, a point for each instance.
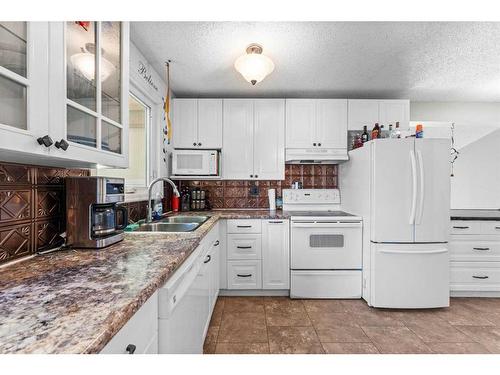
(476, 181)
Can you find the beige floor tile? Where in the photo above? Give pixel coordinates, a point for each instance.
(355, 305)
(327, 320)
(242, 348)
(243, 327)
(376, 317)
(286, 312)
(243, 304)
(324, 305)
(461, 314)
(432, 331)
(457, 348)
(480, 305)
(397, 340)
(212, 333)
(294, 340)
(415, 316)
(350, 348)
(488, 336)
(342, 334)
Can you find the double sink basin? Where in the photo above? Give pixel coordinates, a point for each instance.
(184, 223)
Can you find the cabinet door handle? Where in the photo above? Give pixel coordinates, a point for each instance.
(243, 226)
(457, 227)
(209, 258)
(216, 243)
(480, 277)
(256, 175)
(276, 222)
(199, 143)
(481, 248)
(319, 144)
(130, 349)
(243, 247)
(244, 274)
(251, 175)
(497, 227)
(314, 144)
(62, 144)
(194, 143)
(45, 140)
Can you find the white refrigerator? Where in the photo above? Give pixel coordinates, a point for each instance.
(401, 187)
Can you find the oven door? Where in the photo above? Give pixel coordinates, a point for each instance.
(194, 163)
(323, 245)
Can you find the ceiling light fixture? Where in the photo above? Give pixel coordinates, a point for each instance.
(254, 66)
(85, 63)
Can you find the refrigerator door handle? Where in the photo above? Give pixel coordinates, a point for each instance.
(422, 186)
(414, 186)
(440, 251)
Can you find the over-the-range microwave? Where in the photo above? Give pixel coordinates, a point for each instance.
(195, 163)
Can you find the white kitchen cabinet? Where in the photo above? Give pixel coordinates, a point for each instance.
(275, 254)
(24, 100)
(197, 123)
(244, 274)
(140, 334)
(253, 137)
(367, 112)
(316, 123)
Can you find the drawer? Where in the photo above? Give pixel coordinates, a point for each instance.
(480, 276)
(140, 331)
(244, 274)
(244, 246)
(490, 227)
(474, 250)
(243, 226)
(325, 284)
(465, 227)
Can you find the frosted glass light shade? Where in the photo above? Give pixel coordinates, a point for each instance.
(254, 66)
(85, 63)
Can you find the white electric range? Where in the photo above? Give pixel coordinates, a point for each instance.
(326, 245)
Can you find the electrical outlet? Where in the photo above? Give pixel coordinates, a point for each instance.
(254, 191)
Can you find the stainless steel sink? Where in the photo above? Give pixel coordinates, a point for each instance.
(167, 227)
(185, 219)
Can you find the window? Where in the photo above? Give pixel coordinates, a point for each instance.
(136, 175)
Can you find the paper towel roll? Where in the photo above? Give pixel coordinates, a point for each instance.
(271, 193)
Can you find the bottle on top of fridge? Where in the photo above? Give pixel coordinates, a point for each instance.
(397, 131)
(365, 137)
(382, 132)
(376, 131)
(419, 131)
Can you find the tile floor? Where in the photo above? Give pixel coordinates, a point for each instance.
(256, 325)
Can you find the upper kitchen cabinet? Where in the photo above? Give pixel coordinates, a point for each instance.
(197, 123)
(89, 92)
(254, 139)
(316, 129)
(367, 112)
(23, 91)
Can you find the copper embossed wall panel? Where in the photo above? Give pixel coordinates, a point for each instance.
(32, 210)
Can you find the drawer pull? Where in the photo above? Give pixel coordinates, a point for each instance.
(216, 243)
(209, 258)
(130, 349)
(276, 222)
(243, 226)
(243, 247)
(481, 248)
(244, 274)
(480, 277)
(497, 227)
(458, 227)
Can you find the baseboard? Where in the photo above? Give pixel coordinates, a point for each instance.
(474, 293)
(254, 292)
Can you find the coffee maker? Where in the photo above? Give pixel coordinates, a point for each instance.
(92, 211)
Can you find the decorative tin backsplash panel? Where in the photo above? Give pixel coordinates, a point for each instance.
(236, 193)
(32, 210)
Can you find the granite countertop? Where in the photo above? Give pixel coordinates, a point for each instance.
(75, 301)
(471, 214)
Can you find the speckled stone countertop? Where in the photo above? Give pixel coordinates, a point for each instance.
(75, 301)
(484, 215)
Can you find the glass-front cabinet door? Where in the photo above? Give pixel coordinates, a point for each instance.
(93, 91)
(23, 88)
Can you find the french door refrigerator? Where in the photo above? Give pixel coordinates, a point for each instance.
(408, 187)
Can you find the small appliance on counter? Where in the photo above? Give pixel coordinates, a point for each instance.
(92, 208)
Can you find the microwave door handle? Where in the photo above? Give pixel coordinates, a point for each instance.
(124, 215)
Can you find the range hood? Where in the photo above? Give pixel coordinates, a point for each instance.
(316, 156)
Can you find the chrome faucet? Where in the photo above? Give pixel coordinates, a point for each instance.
(150, 188)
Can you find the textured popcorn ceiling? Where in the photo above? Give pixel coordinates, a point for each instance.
(416, 60)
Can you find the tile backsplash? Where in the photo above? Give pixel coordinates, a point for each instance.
(237, 194)
(32, 212)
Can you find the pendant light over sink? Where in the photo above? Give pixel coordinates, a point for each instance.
(254, 66)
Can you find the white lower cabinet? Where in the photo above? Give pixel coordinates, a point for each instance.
(244, 274)
(475, 258)
(140, 334)
(275, 254)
